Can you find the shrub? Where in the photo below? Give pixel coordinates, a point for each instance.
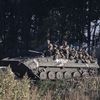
(71, 89)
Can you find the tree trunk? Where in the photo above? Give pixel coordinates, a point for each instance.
(89, 25)
(89, 36)
(93, 39)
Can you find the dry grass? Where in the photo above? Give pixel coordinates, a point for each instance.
(72, 89)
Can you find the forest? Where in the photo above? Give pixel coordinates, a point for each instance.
(27, 24)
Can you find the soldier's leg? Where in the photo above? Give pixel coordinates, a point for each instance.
(77, 59)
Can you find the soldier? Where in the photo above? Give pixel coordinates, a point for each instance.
(85, 59)
(65, 48)
(72, 53)
(54, 48)
(49, 48)
(79, 55)
(65, 43)
(61, 52)
(85, 56)
(84, 52)
(54, 51)
(56, 54)
(91, 59)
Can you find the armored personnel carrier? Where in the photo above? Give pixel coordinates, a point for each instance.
(43, 68)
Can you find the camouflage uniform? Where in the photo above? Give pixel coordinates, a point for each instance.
(85, 56)
(66, 49)
(61, 52)
(49, 48)
(72, 54)
(56, 54)
(79, 56)
(91, 59)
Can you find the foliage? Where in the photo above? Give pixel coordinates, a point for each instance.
(11, 89)
(71, 89)
(30, 21)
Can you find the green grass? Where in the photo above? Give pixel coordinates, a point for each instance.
(72, 89)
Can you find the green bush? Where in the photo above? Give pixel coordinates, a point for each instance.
(11, 89)
(72, 89)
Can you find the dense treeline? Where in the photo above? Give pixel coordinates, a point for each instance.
(25, 24)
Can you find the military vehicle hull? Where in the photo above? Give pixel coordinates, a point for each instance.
(43, 68)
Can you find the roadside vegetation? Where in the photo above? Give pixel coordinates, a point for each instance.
(71, 89)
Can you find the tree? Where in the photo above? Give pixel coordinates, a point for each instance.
(62, 19)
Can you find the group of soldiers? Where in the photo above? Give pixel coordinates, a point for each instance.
(65, 52)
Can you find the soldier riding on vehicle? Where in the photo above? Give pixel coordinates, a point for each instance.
(49, 50)
(65, 48)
